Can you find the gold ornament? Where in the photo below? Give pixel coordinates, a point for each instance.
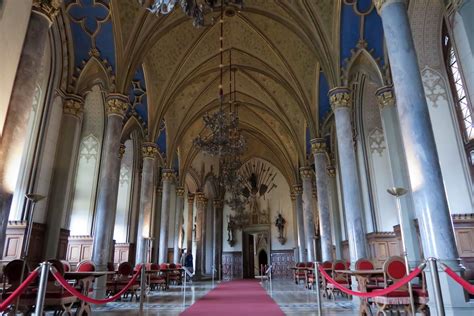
(340, 98)
(150, 150)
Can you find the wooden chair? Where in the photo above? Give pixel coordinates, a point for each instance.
(299, 273)
(340, 278)
(86, 266)
(124, 275)
(12, 280)
(374, 282)
(57, 298)
(310, 277)
(175, 275)
(156, 280)
(395, 270)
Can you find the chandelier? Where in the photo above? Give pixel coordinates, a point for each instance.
(194, 9)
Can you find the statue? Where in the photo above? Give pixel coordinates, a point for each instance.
(230, 230)
(280, 224)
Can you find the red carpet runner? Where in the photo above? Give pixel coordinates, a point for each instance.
(242, 298)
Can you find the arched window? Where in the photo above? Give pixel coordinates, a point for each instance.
(463, 106)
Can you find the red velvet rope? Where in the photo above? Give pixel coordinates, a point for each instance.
(466, 285)
(385, 291)
(19, 290)
(91, 300)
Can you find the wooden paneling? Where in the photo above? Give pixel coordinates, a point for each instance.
(383, 245)
(79, 248)
(124, 252)
(62, 244)
(464, 231)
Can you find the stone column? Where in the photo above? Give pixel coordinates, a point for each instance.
(201, 204)
(189, 223)
(14, 133)
(157, 223)
(320, 161)
(178, 222)
(340, 99)
(306, 177)
(106, 203)
(167, 177)
(64, 171)
(399, 169)
(426, 181)
(334, 207)
(219, 222)
(149, 153)
(462, 24)
(298, 192)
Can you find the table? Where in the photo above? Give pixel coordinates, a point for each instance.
(363, 277)
(85, 280)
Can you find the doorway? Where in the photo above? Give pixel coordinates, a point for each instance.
(262, 261)
(248, 256)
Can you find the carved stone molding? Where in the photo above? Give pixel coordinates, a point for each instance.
(318, 146)
(73, 105)
(180, 191)
(168, 175)
(306, 173)
(385, 97)
(340, 97)
(48, 8)
(117, 104)
(150, 150)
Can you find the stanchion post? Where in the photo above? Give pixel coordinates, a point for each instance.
(43, 283)
(318, 289)
(437, 287)
(213, 272)
(142, 287)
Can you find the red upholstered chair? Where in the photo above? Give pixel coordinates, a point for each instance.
(395, 270)
(85, 266)
(66, 265)
(374, 282)
(340, 278)
(174, 275)
(309, 274)
(124, 275)
(11, 281)
(300, 273)
(156, 280)
(57, 298)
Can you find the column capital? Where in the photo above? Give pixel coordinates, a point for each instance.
(293, 195)
(180, 191)
(379, 4)
(150, 150)
(121, 150)
(167, 175)
(385, 97)
(117, 104)
(297, 189)
(201, 199)
(340, 97)
(331, 171)
(47, 8)
(318, 146)
(73, 105)
(218, 204)
(190, 198)
(306, 173)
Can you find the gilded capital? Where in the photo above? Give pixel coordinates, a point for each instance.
(180, 191)
(201, 200)
(218, 204)
(150, 150)
(340, 97)
(48, 8)
(306, 173)
(190, 198)
(318, 145)
(293, 195)
(298, 189)
(121, 151)
(331, 171)
(117, 104)
(167, 175)
(379, 4)
(385, 97)
(73, 105)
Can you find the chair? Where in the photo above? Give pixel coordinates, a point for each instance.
(373, 282)
(340, 278)
(85, 266)
(12, 280)
(124, 275)
(175, 274)
(300, 273)
(66, 265)
(57, 298)
(394, 270)
(156, 280)
(309, 271)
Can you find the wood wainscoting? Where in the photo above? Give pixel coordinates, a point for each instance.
(124, 252)
(79, 248)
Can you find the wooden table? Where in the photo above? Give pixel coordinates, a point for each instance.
(363, 277)
(85, 280)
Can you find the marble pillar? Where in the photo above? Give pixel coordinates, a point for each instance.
(201, 204)
(320, 161)
(429, 197)
(218, 243)
(334, 207)
(106, 201)
(62, 185)
(168, 176)
(462, 26)
(14, 133)
(399, 170)
(178, 222)
(298, 192)
(340, 100)
(149, 154)
(190, 223)
(157, 223)
(306, 178)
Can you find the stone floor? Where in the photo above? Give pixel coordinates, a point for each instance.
(292, 299)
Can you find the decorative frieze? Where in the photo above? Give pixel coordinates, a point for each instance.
(47, 8)
(385, 97)
(117, 104)
(150, 150)
(340, 98)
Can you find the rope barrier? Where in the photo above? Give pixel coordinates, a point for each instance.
(19, 290)
(374, 293)
(91, 300)
(466, 285)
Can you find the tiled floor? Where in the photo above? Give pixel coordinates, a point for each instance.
(293, 300)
